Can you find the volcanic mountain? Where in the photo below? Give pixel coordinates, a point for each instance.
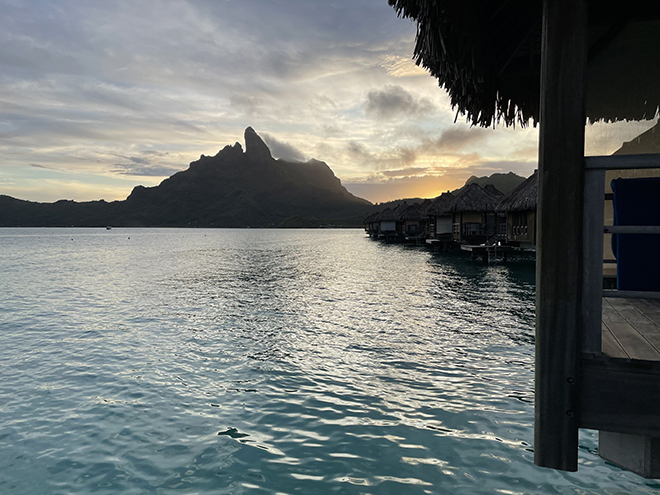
(234, 188)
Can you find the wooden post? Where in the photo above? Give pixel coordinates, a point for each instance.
(559, 251)
(592, 282)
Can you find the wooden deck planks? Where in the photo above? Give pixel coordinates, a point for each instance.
(631, 329)
(611, 346)
(650, 308)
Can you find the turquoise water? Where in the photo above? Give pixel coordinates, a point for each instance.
(267, 361)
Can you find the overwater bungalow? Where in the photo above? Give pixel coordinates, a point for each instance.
(410, 219)
(424, 224)
(440, 218)
(559, 63)
(386, 224)
(474, 217)
(372, 225)
(520, 209)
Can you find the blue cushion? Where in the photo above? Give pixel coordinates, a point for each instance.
(637, 202)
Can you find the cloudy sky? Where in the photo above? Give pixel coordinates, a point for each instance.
(98, 97)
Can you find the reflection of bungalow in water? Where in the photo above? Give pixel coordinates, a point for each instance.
(574, 62)
(520, 208)
(474, 217)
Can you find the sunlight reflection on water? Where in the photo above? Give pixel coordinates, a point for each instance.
(265, 361)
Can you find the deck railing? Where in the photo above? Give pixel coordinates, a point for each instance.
(519, 230)
(596, 168)
(635, 383)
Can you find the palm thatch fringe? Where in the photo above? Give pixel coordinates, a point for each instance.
(487, 55)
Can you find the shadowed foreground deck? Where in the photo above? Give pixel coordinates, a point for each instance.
(631, 328)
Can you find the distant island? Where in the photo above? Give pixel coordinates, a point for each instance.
(234, 188)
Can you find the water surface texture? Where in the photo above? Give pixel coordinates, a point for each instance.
(268, 361)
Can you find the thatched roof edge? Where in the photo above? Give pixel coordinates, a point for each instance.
(522, 198)
(487, 55)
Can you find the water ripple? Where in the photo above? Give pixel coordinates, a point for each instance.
(263, 361)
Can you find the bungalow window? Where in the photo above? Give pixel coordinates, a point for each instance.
(472, 229)
(520, 224)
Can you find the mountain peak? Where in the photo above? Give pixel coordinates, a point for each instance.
(255, 146)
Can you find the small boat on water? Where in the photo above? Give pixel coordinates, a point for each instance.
(108, 227)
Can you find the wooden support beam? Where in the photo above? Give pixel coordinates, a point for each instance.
(636, 453)
(631, 294)
(559, 267)
(623, 162)
(592, 300)
(632, 229)
(620, 395)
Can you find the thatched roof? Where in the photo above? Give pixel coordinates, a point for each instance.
(487, 55)
(522, 198)
(441, 204)
(473, 197)
(412, 212)
(387, 215)
(424, 207)
(371, 218)
(493, 190)
(398, 211)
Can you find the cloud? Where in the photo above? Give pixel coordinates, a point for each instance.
(36, 165)
(488, 167)
(332, 129)
(144, 170)
(145, 163)
(455, 139)
(135, 159)
(530, 153)
(87, 86)
(397, 157)
(402, 67)
(283, 150)
(394, 102)
(405, 172)
(245, 104)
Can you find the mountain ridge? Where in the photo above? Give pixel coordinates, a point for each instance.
(504, 182)
(234, 188)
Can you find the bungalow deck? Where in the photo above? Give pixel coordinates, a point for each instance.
(482, 248)
(631, 328)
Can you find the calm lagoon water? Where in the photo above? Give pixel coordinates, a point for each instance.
(268, 361)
